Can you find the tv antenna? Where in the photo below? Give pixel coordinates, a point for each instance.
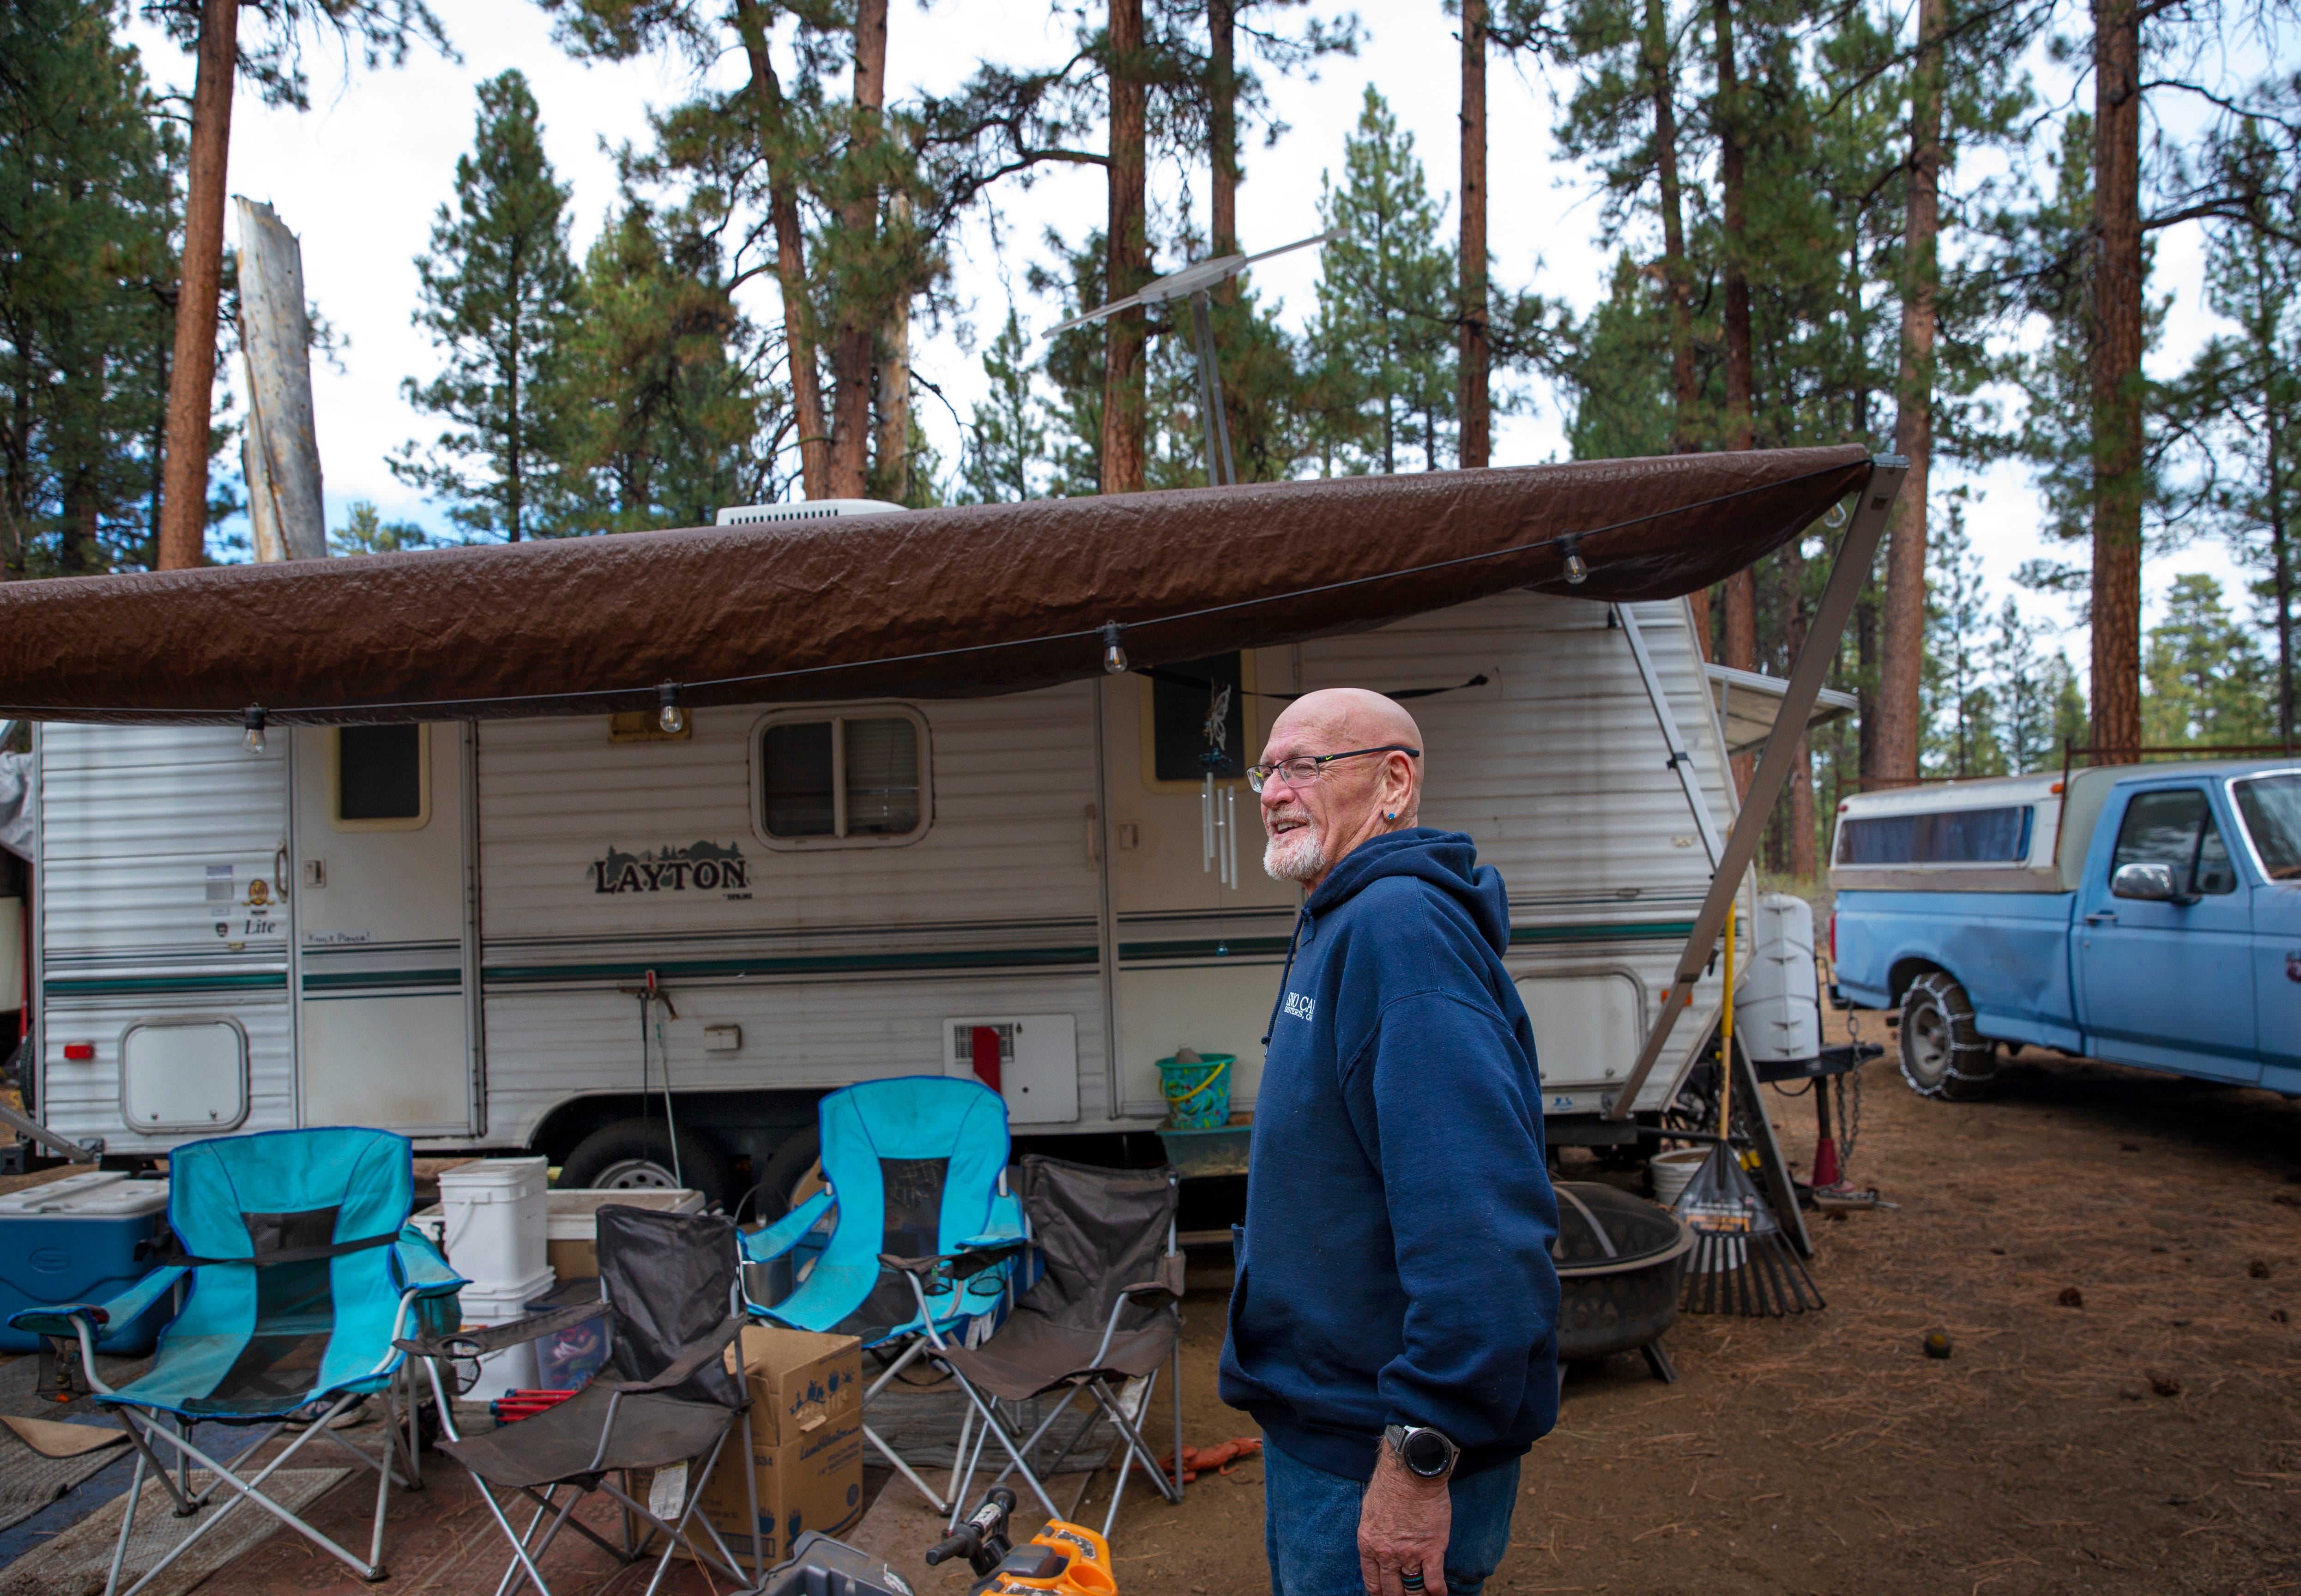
(1195, 282)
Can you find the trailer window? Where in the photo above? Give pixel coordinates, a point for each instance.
(844, 776)
(378, 778)
(2175, 828)
(1950, 837)
(2270, 806)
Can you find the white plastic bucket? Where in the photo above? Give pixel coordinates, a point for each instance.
(494, 1221)
(514, 1368)
(1672, 1172)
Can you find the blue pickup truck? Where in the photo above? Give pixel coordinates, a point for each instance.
(2146, 914)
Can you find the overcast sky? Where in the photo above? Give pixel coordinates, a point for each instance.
(360, 176)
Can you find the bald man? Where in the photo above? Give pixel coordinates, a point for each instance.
(1393, 1325)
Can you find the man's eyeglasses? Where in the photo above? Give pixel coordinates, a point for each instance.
(1305, 769)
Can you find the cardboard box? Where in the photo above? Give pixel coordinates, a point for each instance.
(801, 1382)
(807, 1440)
(812, 1484)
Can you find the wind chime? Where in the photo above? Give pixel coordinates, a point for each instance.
(1219, 805)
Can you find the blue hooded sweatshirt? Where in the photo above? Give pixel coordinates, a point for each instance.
(1395, 1267)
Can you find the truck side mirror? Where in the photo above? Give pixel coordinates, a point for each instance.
(2151, 882)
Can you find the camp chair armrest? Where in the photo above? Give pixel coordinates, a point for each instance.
(423, 1266)
(1169, 1279)
(475, 1340)
(766, 1245)
(1003, 1225)
(697, 1355)
(57, 1319)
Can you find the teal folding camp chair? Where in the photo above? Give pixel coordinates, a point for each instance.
(299, 1273)
(916, 1172)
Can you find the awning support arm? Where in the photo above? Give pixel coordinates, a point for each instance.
(1680, 761)
(1855, 558)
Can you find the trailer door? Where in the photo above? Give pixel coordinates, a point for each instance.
(386, 1028)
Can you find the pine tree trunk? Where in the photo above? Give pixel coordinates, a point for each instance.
(892, 467)
(852, 343)
(1902, 658)
(1740, 428)
(191, 377)
(1475, 398)
(1741, 640)
(1222, 130)
(1126, 260)
(2280, 581)
(790, 254)
(1676, 282)
(2116, 373)
(1799, 861)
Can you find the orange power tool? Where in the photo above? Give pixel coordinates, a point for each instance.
(1067, 1559)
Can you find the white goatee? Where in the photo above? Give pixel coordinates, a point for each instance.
(1297, 856)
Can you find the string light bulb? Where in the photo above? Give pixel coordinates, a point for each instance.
(1114, 657)
(1577, 570)
(1835, 516)
(253, 720)
(670, 717)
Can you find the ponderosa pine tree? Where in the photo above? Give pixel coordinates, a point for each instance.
(1386, 293)
(88, 211)
(494, 293)
(654, 408)
(269, 57)
(2208, 683)
(1006, 455)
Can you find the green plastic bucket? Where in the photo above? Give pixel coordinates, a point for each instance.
(1198, 1093)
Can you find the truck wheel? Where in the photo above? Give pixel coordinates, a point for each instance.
(1943, 1055)
(635, 1154)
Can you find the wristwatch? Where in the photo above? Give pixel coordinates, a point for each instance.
(1426, 1452)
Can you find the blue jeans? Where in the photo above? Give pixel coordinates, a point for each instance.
(1310, 1528)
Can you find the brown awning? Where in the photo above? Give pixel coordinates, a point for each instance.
(928, 604)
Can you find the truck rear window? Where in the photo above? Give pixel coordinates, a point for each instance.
(1951, 837)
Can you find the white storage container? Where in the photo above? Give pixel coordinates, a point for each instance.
(572, 1229)
(1777, 1000)
(493, 1220)
(513, 1367)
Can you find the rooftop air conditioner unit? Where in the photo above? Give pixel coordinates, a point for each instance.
(821, 509)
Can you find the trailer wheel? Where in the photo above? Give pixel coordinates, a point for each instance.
(635, 1154)
(791, 1174)
(1943, 1054)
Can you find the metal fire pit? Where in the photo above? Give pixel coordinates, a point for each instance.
(1621, 1259)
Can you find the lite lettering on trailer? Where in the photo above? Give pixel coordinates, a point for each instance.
(699, 867)
(1300, 1006)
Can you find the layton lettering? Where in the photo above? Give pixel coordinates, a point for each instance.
(700, 867)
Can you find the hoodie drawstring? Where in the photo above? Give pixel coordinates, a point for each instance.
(1293, 937)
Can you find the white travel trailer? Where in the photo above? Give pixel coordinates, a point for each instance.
(575, 933)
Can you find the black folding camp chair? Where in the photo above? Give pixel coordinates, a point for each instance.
(1103, 1313)
(665, 1402)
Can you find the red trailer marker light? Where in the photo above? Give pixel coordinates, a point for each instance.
(79, 1052)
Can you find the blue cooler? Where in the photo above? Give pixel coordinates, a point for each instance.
(86, 1238)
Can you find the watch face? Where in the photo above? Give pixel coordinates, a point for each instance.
(1426, 1452)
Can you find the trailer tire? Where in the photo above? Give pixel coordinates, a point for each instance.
(637, 1154)
(792, 1166)
(1944, 1055)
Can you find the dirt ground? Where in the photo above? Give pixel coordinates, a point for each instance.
(2149, 1440)
(2143, 1437)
